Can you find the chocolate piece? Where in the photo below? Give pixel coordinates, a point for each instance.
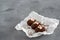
(39, 29)
(31, 21)
(35, 25)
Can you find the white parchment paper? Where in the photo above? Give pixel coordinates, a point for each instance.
(51, 22)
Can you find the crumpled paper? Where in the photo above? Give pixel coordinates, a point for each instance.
(51, 22)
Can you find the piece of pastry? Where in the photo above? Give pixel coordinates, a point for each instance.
(35, 25)
(31, 21)
(40, 29)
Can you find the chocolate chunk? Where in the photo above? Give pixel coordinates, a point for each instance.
(31, 21)
(35, 25)
(39, 29)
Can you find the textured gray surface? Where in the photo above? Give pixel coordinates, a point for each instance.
(13, 11)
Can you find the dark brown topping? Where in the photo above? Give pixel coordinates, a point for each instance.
(39, 29)
(35, 25)
(31, 21)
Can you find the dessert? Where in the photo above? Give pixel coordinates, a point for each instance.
(40, 29)
(35, 25)
(31, 21)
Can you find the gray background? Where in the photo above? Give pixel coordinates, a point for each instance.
(13, 11)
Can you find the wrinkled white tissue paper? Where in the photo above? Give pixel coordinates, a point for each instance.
(52, 25)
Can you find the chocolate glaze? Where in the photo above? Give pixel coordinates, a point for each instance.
(40, 29)
(31, 21)
(35, 25)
